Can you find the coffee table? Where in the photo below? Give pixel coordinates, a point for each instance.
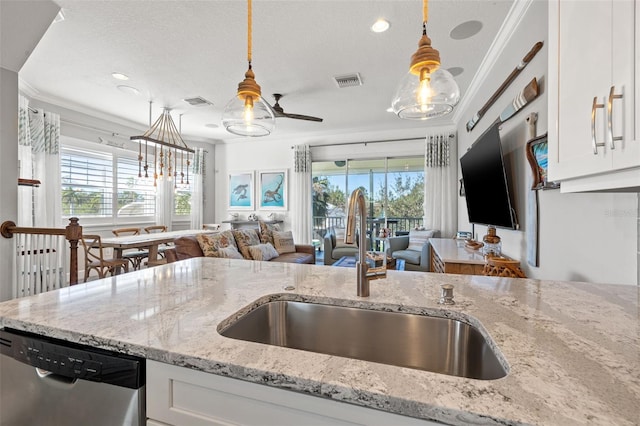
(350, 262)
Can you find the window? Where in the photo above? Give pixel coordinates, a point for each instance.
(87, 184)
(182, 201)
(136, 196)
(393, 187)
(104, 186)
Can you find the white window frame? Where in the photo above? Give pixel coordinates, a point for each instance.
(67, 142)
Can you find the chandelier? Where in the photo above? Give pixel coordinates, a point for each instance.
(162, 153)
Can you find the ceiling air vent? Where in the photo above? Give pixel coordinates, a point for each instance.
(348, 80)
(197, 101)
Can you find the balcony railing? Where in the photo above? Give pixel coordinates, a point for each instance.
(398, 225)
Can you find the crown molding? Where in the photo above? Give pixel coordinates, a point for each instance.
(27, 89)
(500, 43)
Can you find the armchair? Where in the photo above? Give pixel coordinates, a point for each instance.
(335, 247)
(414, 249)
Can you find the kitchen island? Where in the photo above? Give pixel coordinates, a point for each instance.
(572, 349)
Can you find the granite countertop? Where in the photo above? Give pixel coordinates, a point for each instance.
(573, 349)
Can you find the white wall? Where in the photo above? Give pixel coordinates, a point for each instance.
(8, 173)
(583, 237)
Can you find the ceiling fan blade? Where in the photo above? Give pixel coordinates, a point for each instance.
(279, 112)
(302, 117)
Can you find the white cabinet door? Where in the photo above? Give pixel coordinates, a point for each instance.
(583, 73)
(624, 111)
(593, 51)
(181, 396)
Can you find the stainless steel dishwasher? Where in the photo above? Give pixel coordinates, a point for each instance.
(46, 381)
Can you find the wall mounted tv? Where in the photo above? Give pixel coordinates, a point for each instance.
(486, 185)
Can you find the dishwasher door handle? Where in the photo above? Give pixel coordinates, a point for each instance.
(56, 380)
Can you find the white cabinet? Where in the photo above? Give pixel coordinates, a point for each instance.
(180, 396)
(593, 94)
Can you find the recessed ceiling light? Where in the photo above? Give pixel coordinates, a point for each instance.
(128, 89)
(380, 26)
(119, 76)
(466, 30)
(390, 109)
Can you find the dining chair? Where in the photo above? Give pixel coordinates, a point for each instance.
(135, 256)
(94, 258)
(155, 229)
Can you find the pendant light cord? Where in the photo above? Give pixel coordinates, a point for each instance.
(249, 32)
(425, 16)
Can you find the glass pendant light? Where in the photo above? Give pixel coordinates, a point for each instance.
(427, 91)
(247, 114)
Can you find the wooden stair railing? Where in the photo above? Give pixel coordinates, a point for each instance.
(72, 233)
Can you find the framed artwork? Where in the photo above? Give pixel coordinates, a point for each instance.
(241, 191)
(537, 154)
(272, 190)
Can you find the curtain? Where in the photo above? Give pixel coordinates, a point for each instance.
(301, 199)
(164, 202)
(197, 196)
(440, 173)
(45, 147)
(39, 158)
(25, 165)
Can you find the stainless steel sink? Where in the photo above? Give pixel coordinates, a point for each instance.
(440, 345)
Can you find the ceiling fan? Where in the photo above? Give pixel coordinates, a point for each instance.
(279, 112)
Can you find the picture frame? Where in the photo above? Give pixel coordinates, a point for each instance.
(241, 190)
(272, 190)
(537, 151)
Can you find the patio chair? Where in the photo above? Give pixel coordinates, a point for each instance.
(335, 247)
(94, 258)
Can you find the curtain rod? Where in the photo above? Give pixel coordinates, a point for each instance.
(368, 142)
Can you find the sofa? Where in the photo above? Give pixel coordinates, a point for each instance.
(335, 247)
(189, 246)
(414, 249)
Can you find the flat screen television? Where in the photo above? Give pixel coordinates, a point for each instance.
(485, 181)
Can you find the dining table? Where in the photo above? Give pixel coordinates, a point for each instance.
(149, 242)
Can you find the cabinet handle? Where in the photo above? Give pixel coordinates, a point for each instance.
(595, 144)
(612, 96)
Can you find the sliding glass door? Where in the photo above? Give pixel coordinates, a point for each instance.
(393, 188)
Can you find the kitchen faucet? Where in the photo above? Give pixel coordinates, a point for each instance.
(363, 276)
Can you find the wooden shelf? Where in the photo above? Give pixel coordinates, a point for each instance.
(249, 223)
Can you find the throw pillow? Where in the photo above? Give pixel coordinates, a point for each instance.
(266, 231)
(212, 243)
(284, 242)
(230, 252)
(246, 238)
(263, 252)
(418, 238)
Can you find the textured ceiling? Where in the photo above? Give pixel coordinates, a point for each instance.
(173, 50)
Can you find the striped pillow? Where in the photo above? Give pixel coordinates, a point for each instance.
(418, 238)
(284, 242)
